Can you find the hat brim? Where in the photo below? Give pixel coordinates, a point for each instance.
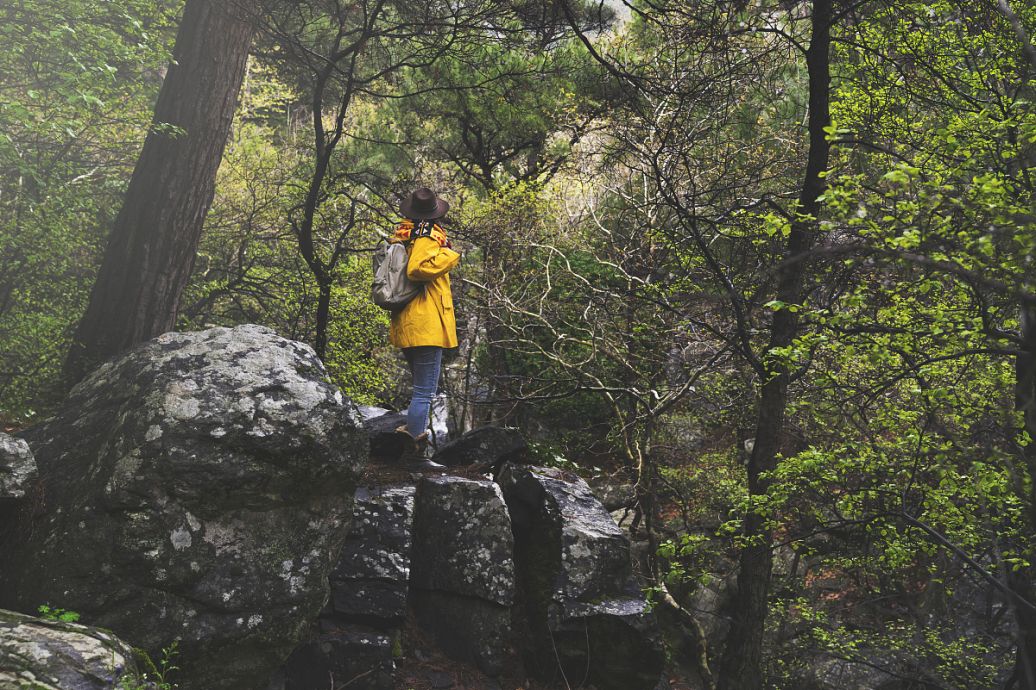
(407, 211)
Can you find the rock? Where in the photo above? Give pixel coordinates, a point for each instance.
(381, 430)
(614, 497)
(439, 421)
(54, 655)
(368, 412)
(489, 446)
(468, 629)
(710, 601)
(462, 580)
(381, 424)
(559, 509)
(369, 584)
(17, 467)
(343, 656)
(462, 539)
(197, 488)
(358, 633)
(614, 644)
(586, 618)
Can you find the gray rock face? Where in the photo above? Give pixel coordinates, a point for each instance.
(614, 497)
(17, 467)
(369, 584)
(438, 421)
(711, 602)
(585, 615)
(369, 412)
(593, 550)
(198, 487)
(53, 655)
(463, 582)
(358, 633)
(343, 656)
(462, 539)
(488, 446)
(384, 441)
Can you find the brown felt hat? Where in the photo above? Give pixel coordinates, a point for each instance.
(422, 204)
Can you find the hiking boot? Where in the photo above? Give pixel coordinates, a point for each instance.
(413, 449)
(425, 466)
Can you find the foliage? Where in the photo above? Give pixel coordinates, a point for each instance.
(75, 102)
(57, 614)
(155, 676)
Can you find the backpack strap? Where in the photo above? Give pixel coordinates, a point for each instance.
(422, 228)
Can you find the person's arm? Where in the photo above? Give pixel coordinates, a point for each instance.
(428, 260)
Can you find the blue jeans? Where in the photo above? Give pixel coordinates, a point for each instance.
(425, 362)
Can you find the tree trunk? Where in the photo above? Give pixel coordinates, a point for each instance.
(323, 316)
(151, 249)
(741, 667)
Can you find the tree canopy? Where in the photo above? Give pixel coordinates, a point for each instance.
(772, 266)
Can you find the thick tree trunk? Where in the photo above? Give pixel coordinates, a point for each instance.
(741, 667)
(152, 246)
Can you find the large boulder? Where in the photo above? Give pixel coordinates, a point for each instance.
(197, 488)
(462, 583)
(487, 446)
(590, 554)
(17, 467)
(381, 426)
(587, 621)
(43, 654)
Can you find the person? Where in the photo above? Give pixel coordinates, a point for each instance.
(426, 325)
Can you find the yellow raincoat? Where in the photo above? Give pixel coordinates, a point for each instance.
(428, 318)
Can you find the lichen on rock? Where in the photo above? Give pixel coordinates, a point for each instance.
(17, 467)
(462, 580)
(56, 655)
(199, 488)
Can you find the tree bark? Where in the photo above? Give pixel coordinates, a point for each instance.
(323, 317)
(741, 667)
(151, 250)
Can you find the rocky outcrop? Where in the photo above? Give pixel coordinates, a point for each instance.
(370, 582)
(199, 488)
(463, 582)
(55, 655)
(17, 467)
(488, 446)
(587, 621)
(446, 545)
(358, 635)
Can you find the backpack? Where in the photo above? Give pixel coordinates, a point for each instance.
(391, 289)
